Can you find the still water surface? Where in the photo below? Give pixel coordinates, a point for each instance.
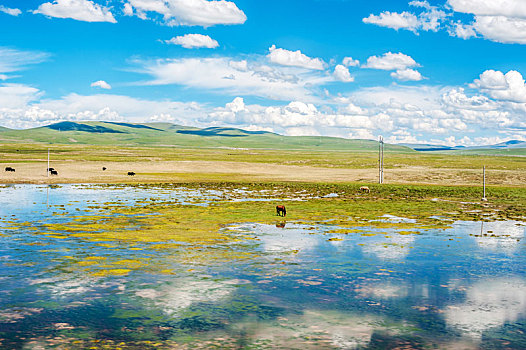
(303, 287)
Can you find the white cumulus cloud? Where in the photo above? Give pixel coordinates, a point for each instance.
(463, 31)
(407, 74)
(294, 58)
(81, 10)
(457, 98)
(508, 8)
(423, 4)
(502, 21)
(102, 84)
(10, 11)
(239, 65)
(429, 19)
(188, 12)
(341, 73)
(394, 20)
(500, 86)
(190, 41)
(350, 62)
(390, 61)
(501, 29)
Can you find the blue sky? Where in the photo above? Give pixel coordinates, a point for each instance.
(449, 72)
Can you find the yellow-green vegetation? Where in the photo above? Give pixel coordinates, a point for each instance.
(196, 231)
(342, 158)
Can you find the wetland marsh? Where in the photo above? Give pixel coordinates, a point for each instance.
(210, 266)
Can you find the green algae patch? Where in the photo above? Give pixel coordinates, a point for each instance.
(96, 258)
(134, 264)
(345, 231)
(112, 272)
(409, 233)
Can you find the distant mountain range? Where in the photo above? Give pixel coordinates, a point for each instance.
(167, 134)
(430, 147)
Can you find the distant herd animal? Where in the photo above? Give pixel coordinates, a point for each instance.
(53, 171)
(281, 211)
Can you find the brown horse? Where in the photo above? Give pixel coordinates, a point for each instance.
(280, 210)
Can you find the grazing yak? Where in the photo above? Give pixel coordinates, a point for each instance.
(53, 172)
(365, 189)
(8, 168)
(103, 168)
(280, 210)
(131, 173)
(50, 169)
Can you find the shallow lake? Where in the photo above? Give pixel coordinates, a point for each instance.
(298, 285)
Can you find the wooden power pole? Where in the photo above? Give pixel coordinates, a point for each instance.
(484, 183)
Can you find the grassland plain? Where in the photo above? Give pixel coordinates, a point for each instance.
(83, 164)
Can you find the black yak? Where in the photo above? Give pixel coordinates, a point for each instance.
(280, 210)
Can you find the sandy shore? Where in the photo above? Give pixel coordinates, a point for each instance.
(188, 171)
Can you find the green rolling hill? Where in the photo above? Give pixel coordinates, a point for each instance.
(166, 134)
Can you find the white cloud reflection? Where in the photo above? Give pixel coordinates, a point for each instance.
(489, 303)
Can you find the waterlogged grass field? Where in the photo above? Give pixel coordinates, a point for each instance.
(210, 265)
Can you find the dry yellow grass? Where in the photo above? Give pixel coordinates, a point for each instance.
(188, 171)
(83, 164)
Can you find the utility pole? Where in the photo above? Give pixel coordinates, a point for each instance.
(47, 170)
(484, 183)
(380, 160)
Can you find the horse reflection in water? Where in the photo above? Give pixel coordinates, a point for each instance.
(281, 211)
